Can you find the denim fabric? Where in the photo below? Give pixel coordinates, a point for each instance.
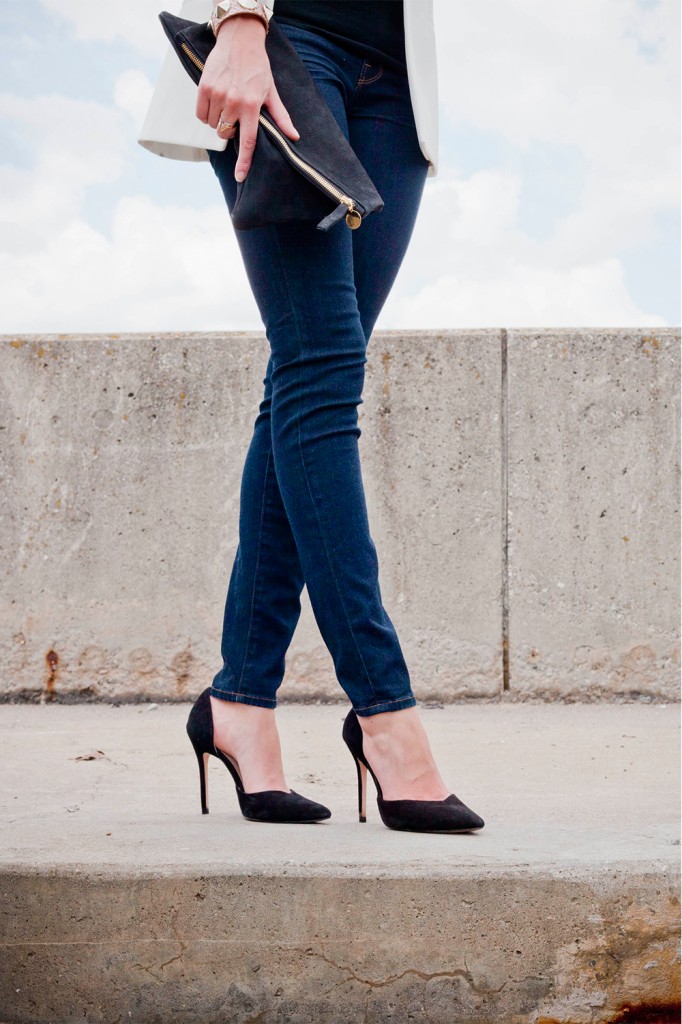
(303, 516)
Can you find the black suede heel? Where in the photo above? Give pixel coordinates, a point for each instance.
(269, 804)
(449, 815)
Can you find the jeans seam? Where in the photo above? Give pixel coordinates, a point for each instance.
(305, 470)
(240, 693)
(255, 572)
(368, 81)
(396, 700)
(358, 84)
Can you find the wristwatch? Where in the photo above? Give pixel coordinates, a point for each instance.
(227, 8)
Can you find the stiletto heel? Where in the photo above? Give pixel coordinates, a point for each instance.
(268, 805)
(449, 815)
(362, 790)
(203, 778)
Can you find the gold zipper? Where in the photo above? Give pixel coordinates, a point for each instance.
(353, 217)
(195, 60)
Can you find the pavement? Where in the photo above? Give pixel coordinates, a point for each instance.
(121, 901)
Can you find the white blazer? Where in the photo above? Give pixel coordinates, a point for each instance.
(172, 129)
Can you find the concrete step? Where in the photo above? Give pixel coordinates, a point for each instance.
(122, 903)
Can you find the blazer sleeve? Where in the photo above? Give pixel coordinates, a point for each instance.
(171, 127)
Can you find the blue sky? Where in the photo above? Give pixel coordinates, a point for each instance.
(556, 202)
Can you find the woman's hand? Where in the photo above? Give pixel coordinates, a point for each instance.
(236, 82)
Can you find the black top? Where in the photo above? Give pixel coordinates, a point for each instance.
(370, 28)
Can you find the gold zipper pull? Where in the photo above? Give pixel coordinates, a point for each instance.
(353, 218)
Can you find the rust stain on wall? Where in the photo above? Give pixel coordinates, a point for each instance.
(52, 662)
(647, 1013)
(650, 339)
(182, 666)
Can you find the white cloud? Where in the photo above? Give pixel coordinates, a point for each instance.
(571, 73)
(132, 93)
(574, 74)
(134, 22)
(156, 271)
(78, 144)
(481, 270)
(526, 296)
(164, 268)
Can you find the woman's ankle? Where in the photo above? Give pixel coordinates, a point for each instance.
(399, 751)
(248, 734)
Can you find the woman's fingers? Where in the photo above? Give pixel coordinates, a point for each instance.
(222, 106)
(209, 104)
(203, 104)
(280, 113)
(248, 131)
(235, 83)
(215, 107)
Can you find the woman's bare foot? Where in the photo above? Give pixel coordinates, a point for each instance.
(248, 735)
(397, 747)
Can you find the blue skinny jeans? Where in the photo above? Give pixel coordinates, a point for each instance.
(303, 515)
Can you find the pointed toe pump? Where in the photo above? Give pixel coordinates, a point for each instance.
(449, 815)
(268, 805)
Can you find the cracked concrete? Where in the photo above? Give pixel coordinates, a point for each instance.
(564, 909)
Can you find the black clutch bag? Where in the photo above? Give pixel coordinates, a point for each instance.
(317, 176)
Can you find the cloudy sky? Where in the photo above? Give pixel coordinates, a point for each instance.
(556, 202)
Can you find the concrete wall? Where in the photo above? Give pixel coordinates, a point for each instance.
(522, 486)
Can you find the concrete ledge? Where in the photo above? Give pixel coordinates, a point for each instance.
(121, 902)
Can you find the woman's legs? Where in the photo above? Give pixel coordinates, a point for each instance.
(263, 598)
(307, 471)
(303, 514)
